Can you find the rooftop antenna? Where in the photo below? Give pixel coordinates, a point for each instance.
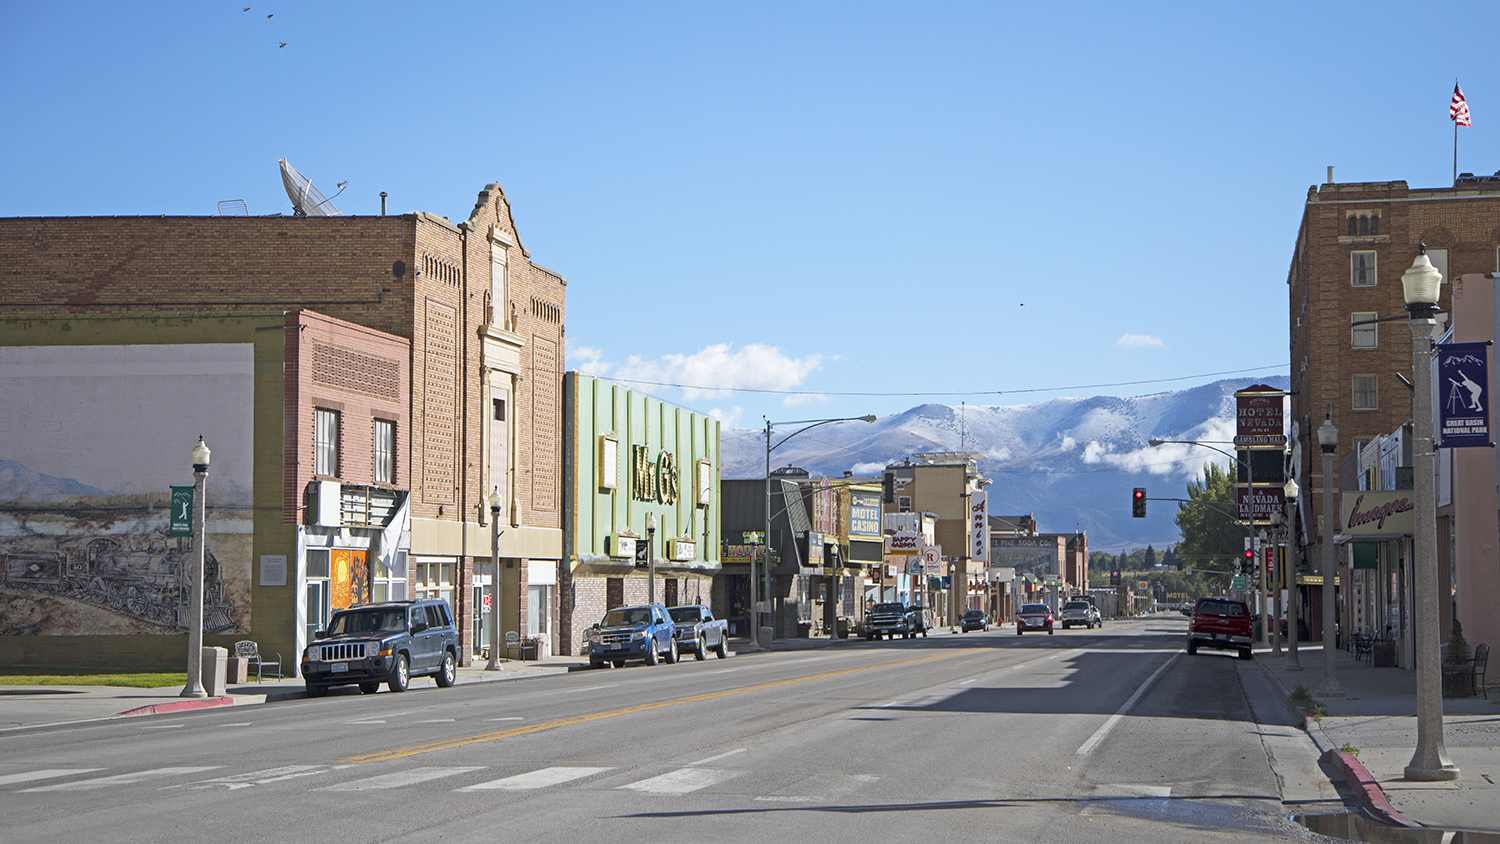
(307, 201)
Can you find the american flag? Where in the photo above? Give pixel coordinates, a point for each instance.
(1458, 110)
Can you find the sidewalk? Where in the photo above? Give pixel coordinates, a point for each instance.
(1377, 717)
(24, 707)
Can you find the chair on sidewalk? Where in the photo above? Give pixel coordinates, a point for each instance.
(1477, 667)
(248, 651)
(1364, 646)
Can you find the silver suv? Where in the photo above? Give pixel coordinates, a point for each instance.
(386, 643)
(1080, 612)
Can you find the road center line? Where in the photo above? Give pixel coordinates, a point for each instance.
(630, 710)
(1088, 747)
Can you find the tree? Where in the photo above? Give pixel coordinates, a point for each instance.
(1210, 532)
(1150, 557)
(1170, 559)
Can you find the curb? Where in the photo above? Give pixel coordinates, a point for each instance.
(1368, 790)
(178, 706)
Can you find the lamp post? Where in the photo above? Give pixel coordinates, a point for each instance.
(1293, 597)
(1328, 441)
(495, 502)
(766, 539)
(1419, 285)
(194, 687)
(651, 558)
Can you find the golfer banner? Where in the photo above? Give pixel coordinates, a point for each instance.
(1463, 379)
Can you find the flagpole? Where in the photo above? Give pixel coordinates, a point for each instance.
(1455, 152)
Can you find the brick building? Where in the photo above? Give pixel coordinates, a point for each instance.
(484, 326)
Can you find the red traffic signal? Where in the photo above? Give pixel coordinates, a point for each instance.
(1138, 503)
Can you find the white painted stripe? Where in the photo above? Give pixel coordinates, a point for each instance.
(508, 718)
(435, 721)
(537, 779)
(270, 775)
(681, 781)
(1130, 790)
(124, 779)
(162, 727)
(716, 758)
(785, 799)
(243, 724)
(968, 681)
(725, 671)
(363, 723)
(399, 779)
(46, 773)
(592, 688)
(1088, 747)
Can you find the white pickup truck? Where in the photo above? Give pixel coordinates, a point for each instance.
(698, 632)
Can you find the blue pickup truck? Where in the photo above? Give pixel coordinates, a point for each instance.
(643, 632)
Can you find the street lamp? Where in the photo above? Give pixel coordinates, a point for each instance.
(766, 539)
(495, 502)
(651, 558)
(1419, 285)
(1328, 441)
(1293, 595)
(194, 687)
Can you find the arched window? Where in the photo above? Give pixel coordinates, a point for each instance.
(1353, 226)
(1375, 224)
(1364, 224)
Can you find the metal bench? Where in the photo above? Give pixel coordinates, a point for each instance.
(1477, 667)
(248, 651)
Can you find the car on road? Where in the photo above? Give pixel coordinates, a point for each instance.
(1223, 624)
(390, 642)
(1034, 617)
(643, 632)
(698, 632)
(1076, 613)
(889, 619)
(974, 620)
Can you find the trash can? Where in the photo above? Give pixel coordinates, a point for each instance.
(804, 629)
(841, 624)
(764, 637)
(528, 649)
(214, 670)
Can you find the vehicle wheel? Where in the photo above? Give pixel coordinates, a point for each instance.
(1065, 625)
(672, 652)
(447, 673)
(1192, 647)
(722, 649)
(596, 663)
(700, 652)
(1018, 629)
(317, 690)
(400, 675)
(619, 663)
(1245, 653)
(369, 688)
(1049, 631)
(652, 657)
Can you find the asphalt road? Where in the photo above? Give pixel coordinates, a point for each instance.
(1110, 734)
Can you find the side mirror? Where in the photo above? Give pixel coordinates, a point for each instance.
(595, 627)
(319, 634)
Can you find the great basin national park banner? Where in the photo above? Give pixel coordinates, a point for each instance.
(91, 440)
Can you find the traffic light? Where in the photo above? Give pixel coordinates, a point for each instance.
(1138, 503)
(1249, 565)
(888, 487)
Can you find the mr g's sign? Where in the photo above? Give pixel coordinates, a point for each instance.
(653, 479)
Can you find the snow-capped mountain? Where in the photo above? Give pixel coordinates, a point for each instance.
(1070, 462)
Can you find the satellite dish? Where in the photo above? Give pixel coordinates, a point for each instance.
(307, 201)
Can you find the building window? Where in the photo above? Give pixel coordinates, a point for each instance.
(326, 442)
(500, 288)
(1362, 269)
(1363, 336)
(903, 504)
(1364, 224)
(1364, 392)
(385, 451)
(1439, 259)
(433, 580)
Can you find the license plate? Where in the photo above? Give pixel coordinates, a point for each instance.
(1031, 622)
(339, 667)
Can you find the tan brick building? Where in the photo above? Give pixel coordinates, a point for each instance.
(480, 413)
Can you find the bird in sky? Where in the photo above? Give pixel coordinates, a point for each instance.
(283, 43)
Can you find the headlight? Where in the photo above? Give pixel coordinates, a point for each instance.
(594, 637)
(638, 635)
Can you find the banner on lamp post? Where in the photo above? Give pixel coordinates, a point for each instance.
(979, 526)
(1463, 378)
(180, 519)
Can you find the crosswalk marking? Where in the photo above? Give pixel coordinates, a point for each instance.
(716, 758)
(123, 779)
(681, 781)
(49, 773)
(399, 779)
(536, 779)
(265, 777)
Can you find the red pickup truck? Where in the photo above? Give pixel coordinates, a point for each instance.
(1221, 623)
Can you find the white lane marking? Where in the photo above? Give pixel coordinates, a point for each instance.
(593, 688)
(265, 777)
(536, 779)
(1088, 747)
(364, 723)
(123, 779)
(46, 773)
(1128, 790)
(399, 779)
(435, 721)
(244, 724)
(162, 727)
(725, 671)
(715, 758)
(681, 781)
(507, 718)
(968, 681)
(785, 799)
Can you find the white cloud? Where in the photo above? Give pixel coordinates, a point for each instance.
(803, 398)
(711, 372)
(588, 360)
(999, 455)
(1068, 443)
(728, 418)
(865, 470)
(1140, 341)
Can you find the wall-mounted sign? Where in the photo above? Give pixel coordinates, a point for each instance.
(1464, 405)
(1258, 416)
(654, 479)
(979, 526)
(705, 476)
(902, 542)
(864, 514)
(684, 550)
(622, 546)
(1379, 512)
(609, 462)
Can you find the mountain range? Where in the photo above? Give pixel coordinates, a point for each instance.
(1070, 462)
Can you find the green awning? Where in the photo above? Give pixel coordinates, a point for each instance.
(1366, 555)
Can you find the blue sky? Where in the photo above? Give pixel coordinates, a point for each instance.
(950, 202)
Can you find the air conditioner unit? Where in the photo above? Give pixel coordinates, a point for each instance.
(323, 503)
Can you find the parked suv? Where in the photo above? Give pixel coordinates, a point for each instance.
(387, 643)
(643, 632)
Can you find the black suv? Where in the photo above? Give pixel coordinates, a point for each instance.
(383, 643)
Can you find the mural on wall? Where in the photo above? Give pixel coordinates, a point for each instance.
(91, 439)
